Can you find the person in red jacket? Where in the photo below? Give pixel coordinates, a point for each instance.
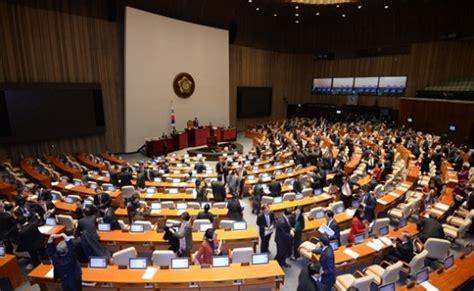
(208, 248)
(357, 225)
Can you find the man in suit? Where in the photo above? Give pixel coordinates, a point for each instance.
(275, 188)
(297, 185)
(8, 229)
(309, 278)
(266, 225)
(332, 224)
(369, 202)
(114, 172)
(235, 210)
(110, 217)
(200, 167)
(30, 240)
(88, 223)
(141, 179)
(283, 238)
(184, 235)
(218, 190)
(327, 261)
(65, 262)
(233, 183)
(297, 224)
(220, 168)
(206, 214)
(429, 227)
(125, 177)
(403, 249)
(101, 199)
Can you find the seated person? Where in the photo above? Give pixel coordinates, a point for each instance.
(206, 214)
(429, 227)
(403, 249)
(208, 248)
(357, 225)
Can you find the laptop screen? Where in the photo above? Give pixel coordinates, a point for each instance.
(93, 186)
(50, 221)
(340, 209)
(449, 262)
(2, 251)
(319, 214)
(137, 263)
(103, 227)
(157, 179)
(155, 206)
(181, 205)
(179, 263)
(277, 200)
(137, 228)
(318, 191)
(240, 225)
(359, 238)
(204, 226)
(334, 244)
(98, 262)
(150, 190)
(220, 261)
(383, 230)
(468, 249)
(110, 188)
(77, 183)
(69, 200)
(173, 191)
(299, 196)
(402, 223)
(422, 276)
(260, 259)
(387, 287)
(88, 202)
(355, 204)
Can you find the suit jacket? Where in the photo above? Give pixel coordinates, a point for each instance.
(187, 233)
(262, 223)
(199, 167)
(369, 208)
(306, 282)
(234, 210)
(404, 251)
(101, 199)
(87, 223)
(30, 238)
(66, 267)
(297, 186)
(300, 221)
(204, 215)
(111, 218)
(356, 228)
(218, 190)
(125, 179)
(141, 179)
(282, 231)
(205, 252)
(337, 231)
(8, 229)
(233, 183)
(429, 228)
(326, 259)
(275, 188)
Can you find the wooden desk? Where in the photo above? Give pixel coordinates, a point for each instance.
(54, 230)
(68, 171)
(113, 159)
(450, 279)
(83, 159)
(307, 203)
(284, 176)
(311, 226)
(181, 196)
(269, 276)
(6, 189)
(350, 166)
(9, 269)
(149, 241)
(35, 176)
(271, 169)
(85, 191)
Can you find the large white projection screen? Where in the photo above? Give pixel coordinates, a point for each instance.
(158, 48)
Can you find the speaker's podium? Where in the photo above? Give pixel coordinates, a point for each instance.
(198, 136)
(212, 141)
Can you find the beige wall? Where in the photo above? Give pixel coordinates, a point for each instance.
(157, 48)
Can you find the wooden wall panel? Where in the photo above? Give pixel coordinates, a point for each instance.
(56, 45)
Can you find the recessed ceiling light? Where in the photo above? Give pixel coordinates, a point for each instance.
(274, 14)
(250, 1)
(297, 7)
(359, 7)
(296, 21)
(386, 7)
(337, 6)
(317, 13)
(296, 14)
(343, 15)
(258, 9)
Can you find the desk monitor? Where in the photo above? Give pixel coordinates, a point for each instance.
(260, 259)
(155, 206)
(77, 183)
(277, 200)
(98, 262)
(468, 249)
(157, 179)
(50, 221)
(449, 262)
(387, 287)
(65, 179)
(2, 251)
(69, 200)
(359, 238)
(88, 202)
(54, 197)
(317, 192)
(93, 186)
(278, 172)
(402, 223)
(334, 244)
(176, 180)
(319, 214)
(173, 190)
(339, 209)
(137, 228)
(137, 263)
(110, 188)
(452, 128)
(251, 177)
(181, 205)
(355, 204)
(299, 196)
(239, 225)
(220, 261)
(422, 276)
(104, 227)
(383, 230)
(150, 190)
(179, 263)
(204, 226)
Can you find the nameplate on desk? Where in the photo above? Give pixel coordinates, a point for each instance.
(149, 273)
(428, 286)
(351, 253)
(382, 202)
(69, 186)
(50, 274)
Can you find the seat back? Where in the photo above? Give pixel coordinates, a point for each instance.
(127, 191)
(378, 191)
(78, 181)
(66, 220)
(290, 196)
(363, 283)
(121, 258)
(147, 225)
(198, 222)
(307, 192)
(305, 249)
(335, 205)
(417, 262)
(242, 255)
(379, 223)
(194, 205)
(437, 248)
(344, 236)
(226, 224)
(392, 273)
(167, 204)
(162, 258)
(220, 205)
(313, 211)
(267, 199)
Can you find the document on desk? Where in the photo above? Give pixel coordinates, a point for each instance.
(69, 186)
(50, 274)
(351, 253)
(350, 212)
(393, 194)
(381, 202)
(386, 240)
(326, 229)
(441, 206)
(376, 244)
(428, 286)
(45, 229)
(149, 195)
(149, 273)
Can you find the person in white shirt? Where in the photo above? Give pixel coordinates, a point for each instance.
(346, 193)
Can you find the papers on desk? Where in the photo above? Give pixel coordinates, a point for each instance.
(325, 229)
(382, 202)
(45, 229)
(442, 206)
(149, 195)
(89, 284)
(386, 240)
(393, 194)
(351, 253)
(50, 274)
(54, 183)
(155, 212)
(69, 186)
(428, 286)
(376, 244)
(149, 273)
(350, 212)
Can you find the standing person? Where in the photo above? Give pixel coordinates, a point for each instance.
(88, 223)
(201, 190)
(326, 258)
(332, 224)
(369, 202)
(309, 278)
(235, 210)
(66, 265)
(346, 193)
(31, 240)
(125, 177)
(425, 164)
(297, 223)
(209, 248)
(218, 191)
(283, 237)
(185, 235)
(266, 225)
(233, 183)
(357, 226)
(206, 214)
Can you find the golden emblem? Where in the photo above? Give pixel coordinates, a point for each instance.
(183, 85)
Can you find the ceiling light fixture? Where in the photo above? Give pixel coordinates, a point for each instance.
(296, 21)
(250, 1)
(321, 2)
(317, 13)
(296, 14)
(359, 7)
(297, 7)
(258, 9)
(343, 15)
(274, 14)
(386, 7)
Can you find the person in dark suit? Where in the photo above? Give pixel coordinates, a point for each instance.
(297, 223)
(235, 210)
(297, 185)
(429, 227)
(257, 193)
(149, 174)
(125, 177)
(88, 223)
(200, 167)
(283, 238)
(141, 179)
(8, 229)
(326, 258)
(114, 172)
(110, 217)
(425, 164)
(309, 277)
(275, 188)
(101, 199)
(218, 190)
(369, 202)
(66, 265)
(206, 214)
(332, 224)
(403, 249)
(220, 167)
(201, 190)
(266, 225)
(30, 239)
